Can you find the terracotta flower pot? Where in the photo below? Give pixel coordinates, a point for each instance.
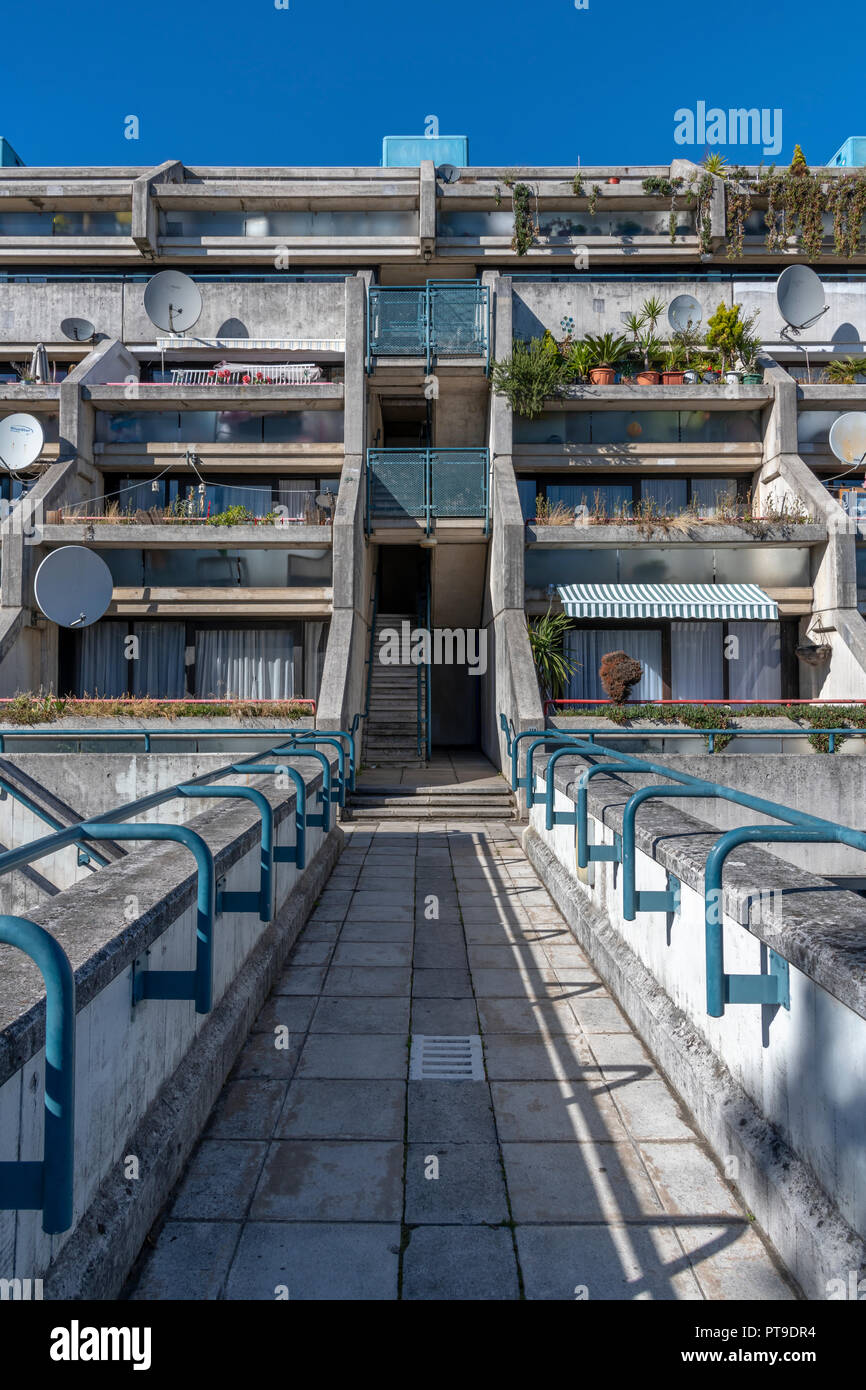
(647, 378)
(673, 378)
(602, 376)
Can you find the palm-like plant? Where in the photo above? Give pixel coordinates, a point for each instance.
(606, 350)
(552, 666)
(580, 359)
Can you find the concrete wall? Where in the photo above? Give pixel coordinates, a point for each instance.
(146, 1077)
(777, 1093)
(34, 313)
(596, 305)
(510, 686)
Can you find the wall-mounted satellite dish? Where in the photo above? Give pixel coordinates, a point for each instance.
(448, 173)
(79, 330)
(73, 586)
(684, 311)
(21, 440)
(848, 437)
(800, 297)
(172, 301)
(801, 302)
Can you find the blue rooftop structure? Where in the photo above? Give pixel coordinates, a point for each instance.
(8, 158)
(407, 151)
(851, 154)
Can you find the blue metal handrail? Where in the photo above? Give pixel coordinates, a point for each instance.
(8, 788)
(46, 1185)
(443, 317)
(771, 988)
(146, 734)
(419, 483)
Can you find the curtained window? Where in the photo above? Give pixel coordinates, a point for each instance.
(158, 670)
(252, 664)
(755, 661)
(587, 646)
(697, 661)
(101, 667)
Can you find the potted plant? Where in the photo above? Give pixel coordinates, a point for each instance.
(618, 674)
(728, 333)
(673, 365)
(606, 353)
(552, 667)
(844, 371)
(750, 346)
(579, 360)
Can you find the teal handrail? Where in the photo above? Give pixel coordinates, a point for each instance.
(84, 855)
(47, 1184)
(772, 988)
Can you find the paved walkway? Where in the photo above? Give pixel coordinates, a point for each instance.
(570, 1171)
(446, 768)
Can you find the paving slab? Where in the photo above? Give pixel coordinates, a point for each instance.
(600, 1262)
(220, 1180)
(322, 1261)
(330, 1180)
(343, 1109)
(189, 1263)
(456, 1111)
(454, 1184)
(460, 1263)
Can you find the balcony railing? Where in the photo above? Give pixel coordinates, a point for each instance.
(427, 484)
(444, 318)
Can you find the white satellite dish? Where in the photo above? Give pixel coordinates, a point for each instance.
(73, 586)
(21, 441)
(801, 302)
(684, 312)
(800, 298)
(848, 437)
(172, 301)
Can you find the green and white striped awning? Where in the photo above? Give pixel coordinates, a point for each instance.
(734, 601)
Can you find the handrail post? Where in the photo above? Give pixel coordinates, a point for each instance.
(48, 1184)
(266, 810)
(284, 855)
(170, 984)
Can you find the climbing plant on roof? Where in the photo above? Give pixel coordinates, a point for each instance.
(658, 186)
(524, 223)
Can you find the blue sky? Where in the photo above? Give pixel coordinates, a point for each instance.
(242, 82)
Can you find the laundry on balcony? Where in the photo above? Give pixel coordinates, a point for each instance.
(248, 374)
(699, 601)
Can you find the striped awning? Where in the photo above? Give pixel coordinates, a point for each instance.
(260, 344)
(735, 601)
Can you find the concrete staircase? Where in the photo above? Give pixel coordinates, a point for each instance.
(449, 803)
(391, 727)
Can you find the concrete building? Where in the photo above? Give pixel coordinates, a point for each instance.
(321, 456)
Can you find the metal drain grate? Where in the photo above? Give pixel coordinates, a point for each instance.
(446, 1059)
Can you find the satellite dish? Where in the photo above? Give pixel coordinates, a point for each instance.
(21, 441)
(684, 311)
(172, 301)
(800, 297)
(73, 586)
(326, 500)
(79, 330)
(448, 173)
(848, 437)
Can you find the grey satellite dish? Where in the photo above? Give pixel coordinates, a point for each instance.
(73, 586)
(800, 297)
(172, 301)
(21, 441)
(79, 330)
(326, 500)
(848, 437)
(683, 312)
(448, 173)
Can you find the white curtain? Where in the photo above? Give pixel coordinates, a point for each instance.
(709, 493)
(587, 646)
(251, 664)
(159, 667)
(755, 661)
(101, 666)
(669, 494)
(697, 670)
